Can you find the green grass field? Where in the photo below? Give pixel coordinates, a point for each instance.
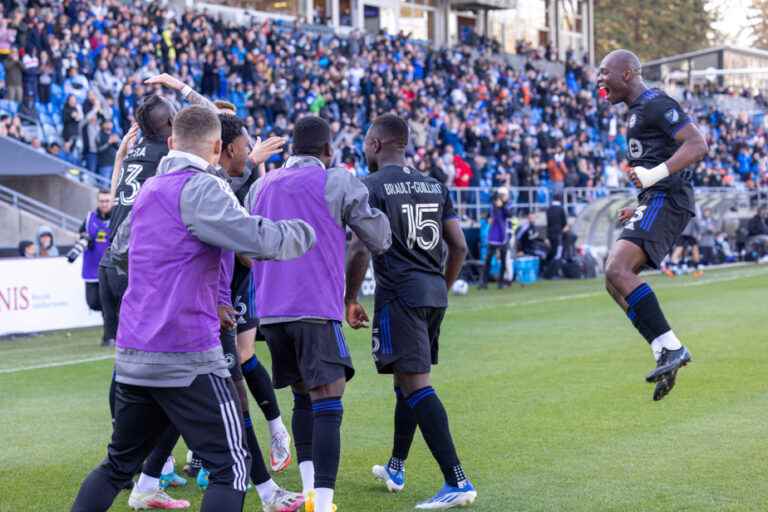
(543, 386)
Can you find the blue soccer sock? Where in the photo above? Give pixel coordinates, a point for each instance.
(405, 429)
(433, 422)
(326, 440)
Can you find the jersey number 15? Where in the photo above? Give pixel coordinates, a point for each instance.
(418, 223)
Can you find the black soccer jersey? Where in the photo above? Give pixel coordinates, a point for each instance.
(654, 119)
(139, 165)
(412, 269)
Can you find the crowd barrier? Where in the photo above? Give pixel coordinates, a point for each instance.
(42, 294)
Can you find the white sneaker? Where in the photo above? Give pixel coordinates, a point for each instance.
(154, 500)
(280, 451)
(283, 501)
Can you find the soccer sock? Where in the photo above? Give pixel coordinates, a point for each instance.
(266, 489)
(307, 472)
(147, 483)
(405, 429)
(302, 426)
(260, 384)
(323, 499)
(276, 425)
(646, 307)
(169, 466)
(259, 473)
(668, 340)
(641, 328)
(433, 422)
(326, 440)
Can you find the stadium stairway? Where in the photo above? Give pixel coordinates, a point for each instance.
(21, 216)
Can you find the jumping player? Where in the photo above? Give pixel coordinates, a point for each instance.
(411, 298)
(663, 143)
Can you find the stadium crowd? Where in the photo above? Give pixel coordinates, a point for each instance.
(475, 118)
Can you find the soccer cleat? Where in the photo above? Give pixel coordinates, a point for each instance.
(668, 272)
(309, 502)
(154, 500)
(664, 386)
(668, 364)
(280, 451)
(283, 501)
(202, 479)
(698, 273)
(172, 479)
(394, 480)
(450, 497)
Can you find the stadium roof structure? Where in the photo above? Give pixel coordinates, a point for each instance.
(752, 52)
(19, 159)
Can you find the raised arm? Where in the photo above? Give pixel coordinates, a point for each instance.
(213, 214)
(186, 91)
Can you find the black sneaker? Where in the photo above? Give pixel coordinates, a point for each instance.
(668, 364)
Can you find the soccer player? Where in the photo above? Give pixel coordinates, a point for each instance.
(300, 303)
(410, 302)
(662, 144)
(170, 367)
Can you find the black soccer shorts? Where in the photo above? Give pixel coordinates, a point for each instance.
(656, 227)
(244, 304)
(405, 339)
(312, 352)
(229, 345)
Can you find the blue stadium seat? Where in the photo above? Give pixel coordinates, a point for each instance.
(9, 106)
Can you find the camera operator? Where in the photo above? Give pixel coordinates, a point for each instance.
(498, 237)
(94, 235)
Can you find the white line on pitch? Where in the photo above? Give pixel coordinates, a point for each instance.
(55, 365)
(587, 295)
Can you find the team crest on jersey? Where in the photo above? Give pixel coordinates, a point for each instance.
(635, 148)
(632, 120)
(672, 116)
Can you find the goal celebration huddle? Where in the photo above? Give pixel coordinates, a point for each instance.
(209, 253)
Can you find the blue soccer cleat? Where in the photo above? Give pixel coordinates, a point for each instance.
(394, 480)
(172, 479)
(202, 479)
(450, 497)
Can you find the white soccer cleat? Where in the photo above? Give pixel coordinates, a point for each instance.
(154, 500)
(280, 451)
(283, 501)
(395, 481)
(450, 497)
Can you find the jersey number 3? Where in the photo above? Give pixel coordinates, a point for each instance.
(132, 172)
(636, 217)
(418, 223)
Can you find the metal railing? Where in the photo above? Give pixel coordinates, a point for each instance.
(475, 202)
(29, 205)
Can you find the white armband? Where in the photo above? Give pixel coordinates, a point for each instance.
(186, 91)
(649, 177)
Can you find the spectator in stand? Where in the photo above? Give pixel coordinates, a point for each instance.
(27, 249)
(76, 84)
(72, 116)
(14, 77)
(90, 133)
(108, 143)
(7, 36)
(44, 245)
(30, 74)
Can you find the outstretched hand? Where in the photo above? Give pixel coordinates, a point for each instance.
(263, 150)
(356, 316)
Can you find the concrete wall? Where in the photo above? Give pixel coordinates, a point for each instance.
(64, 194)
(17, 225)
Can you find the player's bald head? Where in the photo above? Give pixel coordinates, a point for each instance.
(622, 60)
